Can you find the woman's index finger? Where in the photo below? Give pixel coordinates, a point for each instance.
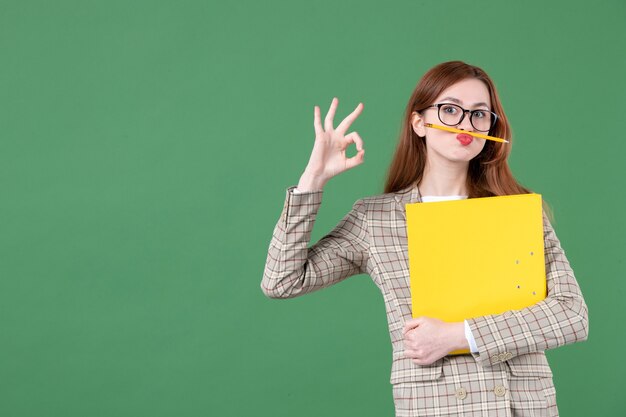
(345, 123)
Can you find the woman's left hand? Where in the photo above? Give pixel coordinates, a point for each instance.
(427, 339)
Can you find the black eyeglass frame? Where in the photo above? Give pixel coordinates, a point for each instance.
(471, 112)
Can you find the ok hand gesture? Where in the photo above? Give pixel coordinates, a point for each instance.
(329, 151)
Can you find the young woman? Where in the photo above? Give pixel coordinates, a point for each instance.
(506, 373)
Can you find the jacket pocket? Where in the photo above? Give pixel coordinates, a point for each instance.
(404, 370)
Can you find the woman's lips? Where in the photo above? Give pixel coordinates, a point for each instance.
(464, 138)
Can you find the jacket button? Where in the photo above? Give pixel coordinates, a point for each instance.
(499, 390)
(461, 393)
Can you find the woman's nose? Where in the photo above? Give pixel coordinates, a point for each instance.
(465, 122)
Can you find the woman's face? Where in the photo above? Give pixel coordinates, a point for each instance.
(469, 94)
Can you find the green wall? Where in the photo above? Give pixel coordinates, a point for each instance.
(145, 151)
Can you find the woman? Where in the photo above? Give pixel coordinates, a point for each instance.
(506, 373)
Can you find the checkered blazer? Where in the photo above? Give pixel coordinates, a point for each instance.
(372, 239)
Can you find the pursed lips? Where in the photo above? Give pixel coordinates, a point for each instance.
(464, 138)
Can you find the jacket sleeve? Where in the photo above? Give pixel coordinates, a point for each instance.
(559, 319)
(293, 268)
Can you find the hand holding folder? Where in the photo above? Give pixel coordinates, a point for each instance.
(475, 257)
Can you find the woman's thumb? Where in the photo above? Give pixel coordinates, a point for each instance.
(356, 159)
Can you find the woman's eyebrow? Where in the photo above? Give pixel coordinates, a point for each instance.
(457, 101)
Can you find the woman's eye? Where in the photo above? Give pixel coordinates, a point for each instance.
(449, 110)
(479, 114)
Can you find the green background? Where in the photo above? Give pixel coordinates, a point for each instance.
(146, 147)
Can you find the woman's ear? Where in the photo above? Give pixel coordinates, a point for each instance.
(417, 123)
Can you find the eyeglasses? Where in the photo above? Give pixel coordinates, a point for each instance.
(452, 115)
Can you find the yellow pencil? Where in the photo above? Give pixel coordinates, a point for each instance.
(478, 135)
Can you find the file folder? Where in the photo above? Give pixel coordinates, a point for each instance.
(475, 257)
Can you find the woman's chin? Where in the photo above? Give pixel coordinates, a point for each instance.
(461, 157)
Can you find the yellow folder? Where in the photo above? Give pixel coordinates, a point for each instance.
(475, 257)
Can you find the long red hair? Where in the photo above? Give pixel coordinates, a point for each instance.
(488, 173)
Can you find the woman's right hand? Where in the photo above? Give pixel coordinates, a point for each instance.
(329, 151)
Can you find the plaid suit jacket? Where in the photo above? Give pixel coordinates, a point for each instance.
(372, 239)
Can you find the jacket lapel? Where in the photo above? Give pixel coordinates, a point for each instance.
(406, 196)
